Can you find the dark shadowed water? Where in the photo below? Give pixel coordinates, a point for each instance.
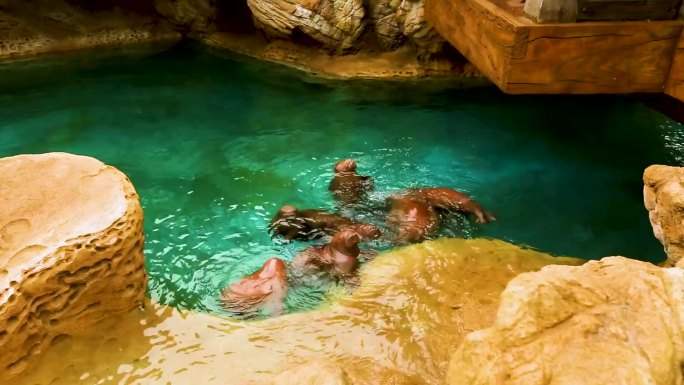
(215, 145)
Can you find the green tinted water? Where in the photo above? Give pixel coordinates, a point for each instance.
(215, 145)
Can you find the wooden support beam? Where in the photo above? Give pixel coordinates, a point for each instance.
(675, 81)
(595, 58)
(523, 57)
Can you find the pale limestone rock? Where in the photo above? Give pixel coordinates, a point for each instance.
(314, 373)
(196, 15)
(614, 321)
(397, 21)
(71, 251)
(664, 200)
(336, 24)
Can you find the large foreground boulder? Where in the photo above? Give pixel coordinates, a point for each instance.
(614, 321)
(71, 251)
(400, 327)
(664, 200)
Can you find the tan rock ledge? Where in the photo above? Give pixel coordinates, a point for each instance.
(664, 200)
(614, 321)
(402, 64)
(71, 251)
(413, 308)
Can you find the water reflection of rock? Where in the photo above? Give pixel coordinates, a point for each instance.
(415, 305)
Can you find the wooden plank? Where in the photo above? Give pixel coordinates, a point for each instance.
(675, 82)
(480, 31)
(595, 58)
(523, 57)
(627, 9)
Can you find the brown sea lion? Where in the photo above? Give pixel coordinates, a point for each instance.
(339, 258)
(449, 199)
(292, 223)
(265, 289)
(414, 219)
(348, 187)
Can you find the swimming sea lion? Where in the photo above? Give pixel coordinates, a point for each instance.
(414, 219)
(264, 289)
(292, 223)
(450, 199)
(348, 187)
(339, 258)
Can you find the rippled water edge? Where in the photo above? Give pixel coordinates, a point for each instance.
(414, 306)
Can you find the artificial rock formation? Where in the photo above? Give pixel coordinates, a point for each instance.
(71, 251)
(414, 306)
(397, 21)
(32, 27)
(664, 200)
(336, 24)
(195, 15)
(614, 321)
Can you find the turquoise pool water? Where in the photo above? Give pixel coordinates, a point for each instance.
(215, 145)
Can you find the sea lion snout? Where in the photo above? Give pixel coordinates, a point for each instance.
(348, 238)
(272, 268)
(367, 231)
(346, 165)
(288, 211)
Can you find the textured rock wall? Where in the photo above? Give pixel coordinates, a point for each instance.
(71, 251)
(195, 15)
(614, 321)
(336, 24)
(664, 200)
(395, 22)
(31, 27)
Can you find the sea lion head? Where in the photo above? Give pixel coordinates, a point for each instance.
(287, 211)
(345, 166)
(346, 242)
(273, 268)
(367, 231)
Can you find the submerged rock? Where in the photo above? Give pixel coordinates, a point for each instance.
(336, 24)
(71, 252)
(664, 200)
(614, 321)
(414, 306)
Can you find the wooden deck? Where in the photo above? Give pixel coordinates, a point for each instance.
(523, 57)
